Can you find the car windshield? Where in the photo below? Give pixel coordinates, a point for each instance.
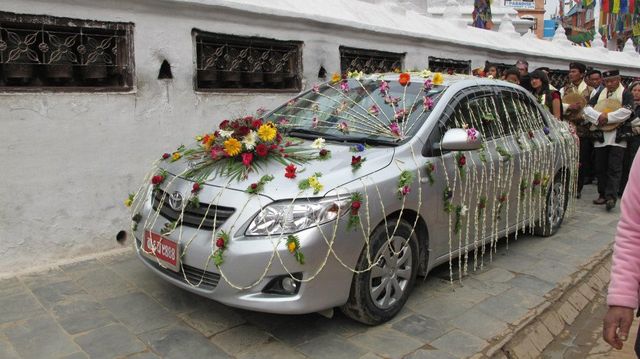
(368, 110)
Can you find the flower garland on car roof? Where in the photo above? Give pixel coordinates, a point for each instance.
(242, 147)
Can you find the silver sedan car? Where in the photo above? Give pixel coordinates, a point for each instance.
(372, 181)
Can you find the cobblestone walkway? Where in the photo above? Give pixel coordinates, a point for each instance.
(583, 339)
(115, 307)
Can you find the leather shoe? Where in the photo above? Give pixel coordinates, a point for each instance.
(611, 204)
(600, 201)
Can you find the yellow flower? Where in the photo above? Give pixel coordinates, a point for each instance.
(438, 79)
(176, 156)
(315, 184)
(336, 78)
(198, 138)
(210, 138)
(232, 147)
(267, 132)
(291, 246)
(128, 202)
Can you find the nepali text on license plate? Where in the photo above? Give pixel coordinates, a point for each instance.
(163, 248)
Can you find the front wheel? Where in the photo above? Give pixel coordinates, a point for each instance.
(379, 293)
(555, 208)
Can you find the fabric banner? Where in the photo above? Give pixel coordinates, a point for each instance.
(482, 14)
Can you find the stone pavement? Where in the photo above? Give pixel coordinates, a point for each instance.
(583, 339)
(114, 307)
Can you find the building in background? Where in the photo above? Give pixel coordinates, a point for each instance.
(532, 10)
(579, 22)
(620, 21)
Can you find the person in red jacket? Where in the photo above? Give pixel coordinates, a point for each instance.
(622, 297)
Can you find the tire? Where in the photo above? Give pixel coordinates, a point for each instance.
(377, 295)
(555, 208)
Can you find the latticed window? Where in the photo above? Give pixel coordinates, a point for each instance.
(45, 52)
(228, 62)
(558, 78)
(450, 66)
(369, 61)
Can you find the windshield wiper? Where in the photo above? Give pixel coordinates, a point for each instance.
(313, 134)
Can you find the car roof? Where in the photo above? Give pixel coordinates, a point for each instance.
(460, 80)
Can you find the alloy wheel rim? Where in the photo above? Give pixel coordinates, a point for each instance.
(556, 205)
(389, 278)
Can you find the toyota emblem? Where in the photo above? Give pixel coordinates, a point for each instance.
(175, 201)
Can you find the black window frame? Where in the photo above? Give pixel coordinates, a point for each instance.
(233, 63)
(370, 61)
(438, 64)
(61, 54)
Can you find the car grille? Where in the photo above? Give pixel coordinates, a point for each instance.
(194, 275)
(193, 216)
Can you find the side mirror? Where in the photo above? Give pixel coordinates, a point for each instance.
(459, 139)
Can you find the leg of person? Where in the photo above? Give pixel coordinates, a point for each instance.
(586, 159)
(614, 173)
(582, 165)
(601, 157)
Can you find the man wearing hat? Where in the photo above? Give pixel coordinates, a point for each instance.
(575, 95)
(607, 109)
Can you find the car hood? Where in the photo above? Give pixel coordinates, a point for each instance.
(336, 171)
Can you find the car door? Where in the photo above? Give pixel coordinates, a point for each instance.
(461, 202)
(532, 162)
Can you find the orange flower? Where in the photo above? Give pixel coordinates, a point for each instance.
(404, 79)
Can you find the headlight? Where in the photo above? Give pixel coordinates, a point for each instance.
(286, 217)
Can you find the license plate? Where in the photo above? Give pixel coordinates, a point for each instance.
(162, 248)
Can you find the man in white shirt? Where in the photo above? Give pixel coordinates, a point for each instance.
(609, 153)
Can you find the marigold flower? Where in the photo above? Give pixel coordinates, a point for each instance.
(438, 79)
(176, 156)
(336, 77)
(128, 202)
(404, 79)
(267, 132)
(232, 147)
(292, 246)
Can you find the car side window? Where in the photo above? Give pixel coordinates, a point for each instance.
(477, 111)
(519, 112)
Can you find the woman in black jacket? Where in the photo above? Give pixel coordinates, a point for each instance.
(546, 97)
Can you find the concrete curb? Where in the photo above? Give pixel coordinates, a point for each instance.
(563, 304)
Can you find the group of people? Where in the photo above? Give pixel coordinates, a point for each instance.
(604, 114)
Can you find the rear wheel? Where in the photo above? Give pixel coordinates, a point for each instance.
(555, 208)
(378, 294)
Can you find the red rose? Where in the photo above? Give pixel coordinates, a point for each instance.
(536, 182)
(323, 152)
(404, 79)
(355, 205)
(224, 124)
(220, 242)
(247, 158)
(196, 188)
(254, 186)
(156, 180)
(450, 71)
(256, 124)
(234, 125)
(165, 156)
(462, 161)
(355, 160)
(278, 138)
(243, 131)
(262, 150)
(290, 171)
(273, 147)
